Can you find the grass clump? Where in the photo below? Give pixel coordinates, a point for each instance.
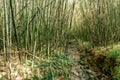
(115, 53)
(57, 66)
(116, 74)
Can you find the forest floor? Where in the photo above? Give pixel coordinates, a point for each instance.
(85, 66)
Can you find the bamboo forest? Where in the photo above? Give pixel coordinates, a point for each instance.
(59, 39)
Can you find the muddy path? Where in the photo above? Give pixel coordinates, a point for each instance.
(83, 68)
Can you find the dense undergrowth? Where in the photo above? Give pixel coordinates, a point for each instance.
(116, 54)
(58, 66)
(40, 31)
(98, 21)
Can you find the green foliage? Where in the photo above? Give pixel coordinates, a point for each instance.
(36, 77)
(100, 22)
(87, 46)
(27, 79)
(116, 74)
(83, 45)
(115, 54)
(58, 65)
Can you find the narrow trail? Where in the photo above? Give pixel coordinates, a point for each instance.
(81, 69)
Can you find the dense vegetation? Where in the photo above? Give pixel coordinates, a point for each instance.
(38, 33)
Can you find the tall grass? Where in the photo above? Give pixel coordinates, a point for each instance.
(99, 21)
